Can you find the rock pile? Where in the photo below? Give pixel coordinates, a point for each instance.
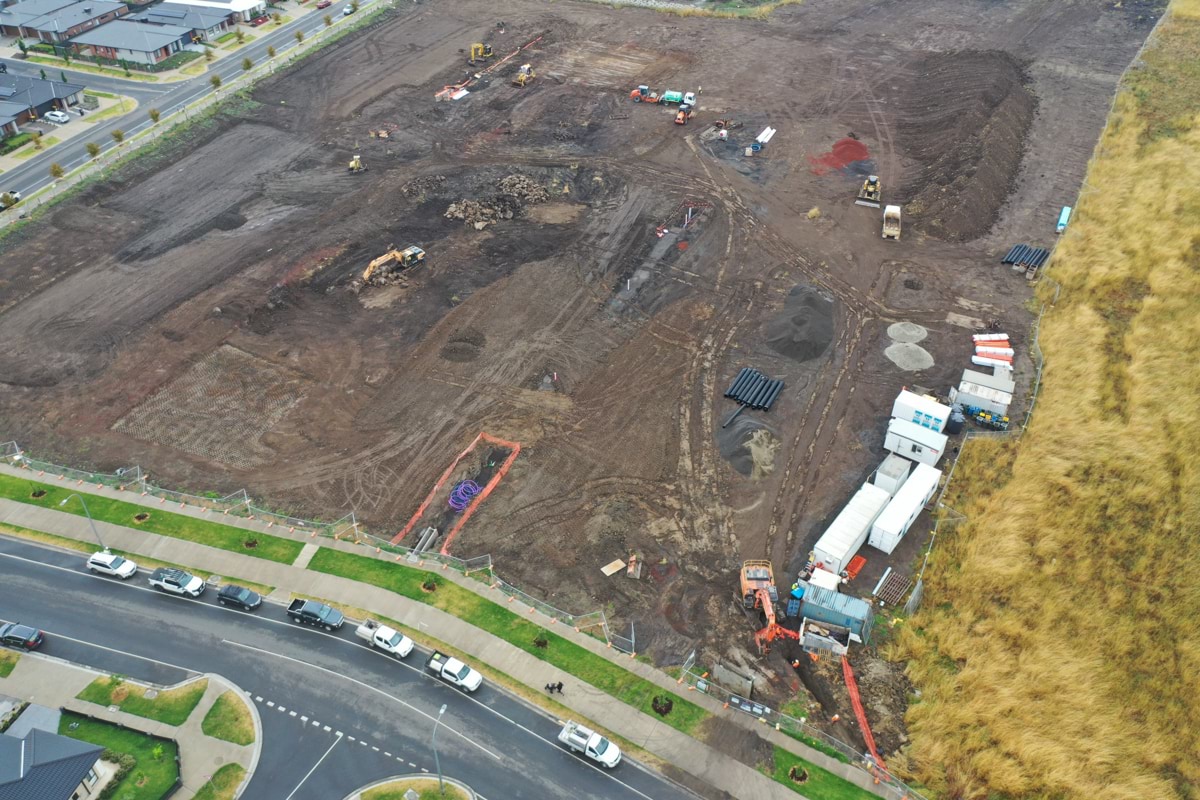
(523, 188)
(516, 191)
(417, 187)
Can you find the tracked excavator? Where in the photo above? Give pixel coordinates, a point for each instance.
(759, 591)
(393, 260)
(480, 52)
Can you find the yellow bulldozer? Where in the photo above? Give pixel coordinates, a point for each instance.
(394, 260)
(357, 165)
(524, 75)
(870, 193)
(480, 52)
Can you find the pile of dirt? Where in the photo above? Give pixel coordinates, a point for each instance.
(803, 330)
(516, 192)
(524, 188)
(748, 446)
(965, 119)
(420, 187)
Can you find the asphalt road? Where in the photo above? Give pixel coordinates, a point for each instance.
(336, 714)
(166, 97)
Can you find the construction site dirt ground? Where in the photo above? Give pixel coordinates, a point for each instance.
(198, 314)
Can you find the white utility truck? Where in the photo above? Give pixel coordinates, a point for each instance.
(389, 640)
(591, 744)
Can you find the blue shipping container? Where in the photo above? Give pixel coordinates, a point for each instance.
(836, 608)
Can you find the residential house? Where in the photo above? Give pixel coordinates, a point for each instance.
(45, 766)
(135, 42)
(69, 21)
(23, 99)
(239, 10)
(12, 17)
(206, 23)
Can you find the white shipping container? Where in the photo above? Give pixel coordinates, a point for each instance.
(914, 442)
(895, 520)
(1000, 381)
(984, 361)
(924, 411)
(825, 579)
(972, 394)
(892, 473)
(846, 534)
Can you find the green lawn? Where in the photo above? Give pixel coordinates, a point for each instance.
(8, 662)
(426, 788)
(820, 784)
(223, 783)
(79, 67)
(172, 706)
(98, 93)
(229, 719)
(234, 45)
(126, 105)
(29, 150)
(161, 521)
(495, 619)
(154, 774)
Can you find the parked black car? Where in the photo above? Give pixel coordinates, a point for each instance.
(14, 634)
(234, 595)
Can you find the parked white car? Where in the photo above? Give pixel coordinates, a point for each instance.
(57, 117)
(106, 563)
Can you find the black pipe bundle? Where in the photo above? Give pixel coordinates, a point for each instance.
(1025, 256)
(753, 389)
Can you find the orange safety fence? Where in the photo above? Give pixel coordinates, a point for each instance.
(859, 713)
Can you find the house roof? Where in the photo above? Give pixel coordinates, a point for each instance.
(144, 37)
(9, 111)
(230, 6)
(34, 91)
(22, 12)
(43, 765)
(198, 18)
(72, 15)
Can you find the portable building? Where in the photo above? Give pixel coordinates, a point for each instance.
(1000, 382)
(825, 579)
(892, 473)
(891, 525)
(846, 534)
(972, 394)
(924, 411)
(910, 440)
(835, 608)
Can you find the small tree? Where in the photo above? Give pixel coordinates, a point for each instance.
(299, 36)
(240, 35)
(270, 52)
(328, 20)
(118, 136)
(24, 48)
(215, 80)
(37, 140)
(208, 54)
(7, 200)
(62, 75)
(277, 17)
(93, 149)
(43, 73)
(66, 60)
(56, 171)
(154, 115)
(354, 7)
(247, 64)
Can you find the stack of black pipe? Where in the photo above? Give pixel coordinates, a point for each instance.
(1025, 256)
(752, 388)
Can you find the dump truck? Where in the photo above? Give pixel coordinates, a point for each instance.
(310, 612)
(870, 193)
(590, 744)
(380, 636)
(453, 671)
(891, 222)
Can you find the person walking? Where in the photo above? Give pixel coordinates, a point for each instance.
(558, 687)
(549, 687)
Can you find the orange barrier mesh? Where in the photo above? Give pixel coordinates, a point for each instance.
(859, 713)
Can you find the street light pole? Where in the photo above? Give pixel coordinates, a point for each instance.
(95, 532)
(436, 762)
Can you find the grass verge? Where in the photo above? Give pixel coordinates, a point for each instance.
(499, 621)
(165, 523)
(172, 706)
(8, 662)
(815, 783)
(78, 67)
(1056, 651)
(127, 105)
(154, 769)
(223, 784)
(105, 95)
(229, 719)
(426, 789)
(28, 151)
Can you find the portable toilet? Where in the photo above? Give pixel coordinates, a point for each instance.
(1063, 219)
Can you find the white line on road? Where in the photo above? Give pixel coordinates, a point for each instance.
(314, 769)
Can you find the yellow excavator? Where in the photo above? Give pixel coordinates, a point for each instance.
(480, 52)
(524, 75)
(357, 165)
(403, 259)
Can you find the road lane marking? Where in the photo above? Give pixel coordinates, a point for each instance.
(366, 685)
(314, 769)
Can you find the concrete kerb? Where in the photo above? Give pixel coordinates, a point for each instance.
(358, 793)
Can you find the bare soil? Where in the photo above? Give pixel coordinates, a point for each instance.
(197, 314)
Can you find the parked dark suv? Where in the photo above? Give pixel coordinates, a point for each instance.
(240, 596)
(14, 634)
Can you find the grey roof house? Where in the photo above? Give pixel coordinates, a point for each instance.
(63, 23)
(140, 42)
(45, 766)
(205, 23)
(22, 99)
(14, 16)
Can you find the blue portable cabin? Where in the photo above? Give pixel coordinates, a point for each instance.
(1063, 219)
(835, 608)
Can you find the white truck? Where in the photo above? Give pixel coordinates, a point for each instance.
(590, 744)
(389, 640)
(453, 671)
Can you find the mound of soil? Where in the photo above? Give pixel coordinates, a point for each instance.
(465, 345)
(748, 446)
(804, 329)
(965, 119)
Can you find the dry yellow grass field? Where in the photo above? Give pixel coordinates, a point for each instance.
(1057, 654)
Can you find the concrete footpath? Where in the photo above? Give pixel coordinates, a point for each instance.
(54, 683)
(689, 755)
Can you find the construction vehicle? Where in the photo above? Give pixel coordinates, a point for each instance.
(480, 52)
(759, 591)
(891, 222)
(870, 193)
(357, 165)
(642, 94)
(402, 259)
(685, 113)
(524, 75)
